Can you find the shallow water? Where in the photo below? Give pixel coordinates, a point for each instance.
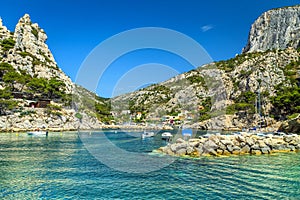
(60, 167)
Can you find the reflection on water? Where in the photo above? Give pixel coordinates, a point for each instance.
(59, 167)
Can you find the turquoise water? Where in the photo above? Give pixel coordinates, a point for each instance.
(60, 167)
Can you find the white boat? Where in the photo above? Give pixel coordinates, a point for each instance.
(38, 133)
(147, 134)
(166, 135)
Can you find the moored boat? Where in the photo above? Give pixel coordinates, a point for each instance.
(166, 136)
(38, 133)
(147, 134)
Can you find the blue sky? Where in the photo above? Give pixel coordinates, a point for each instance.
(76, 27)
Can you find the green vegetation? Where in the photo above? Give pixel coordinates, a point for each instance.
(245, 102)
(103, 111)
(26, 113)
(24, 54)
(196, 79)
(293, 116)
(287, 101)
(53, 110)
(7, 44)
(229, 65)
(204, 114)
(91, 104)
(19, 81)
(6, 102)
(78, 116)
(290, 71)
(173, 112)
(51, 89)
(35, 32)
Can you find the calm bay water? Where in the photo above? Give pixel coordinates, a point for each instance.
(60, 167)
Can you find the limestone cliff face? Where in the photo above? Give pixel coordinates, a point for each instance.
(4, 32)
(275, 29)
(31, 53)
(25, 49)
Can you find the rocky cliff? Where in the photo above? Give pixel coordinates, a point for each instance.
(29, 75)
(258, 88)
(275, 29)
(31, 53)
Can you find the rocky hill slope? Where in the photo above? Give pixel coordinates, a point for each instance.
(260, 87)
(34, 91)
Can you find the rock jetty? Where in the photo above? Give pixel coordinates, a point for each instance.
(240, 144)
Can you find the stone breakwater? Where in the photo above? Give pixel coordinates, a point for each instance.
(225, 145)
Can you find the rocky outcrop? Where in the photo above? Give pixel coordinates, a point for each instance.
(31, 119)
(225, 145)
(275, 29)
(26, 50)
(291, 126)
(4, 32)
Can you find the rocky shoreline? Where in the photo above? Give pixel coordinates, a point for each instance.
(226, 145)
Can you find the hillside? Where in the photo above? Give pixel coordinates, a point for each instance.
(260, 87)
(34, 91)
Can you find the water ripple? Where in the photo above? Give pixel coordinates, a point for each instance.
(59, 167)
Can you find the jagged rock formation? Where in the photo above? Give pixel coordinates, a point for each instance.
(275, 29)
(31, 53)
(27, 52)
(4, 32)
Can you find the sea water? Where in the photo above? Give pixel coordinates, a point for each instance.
(60, 166)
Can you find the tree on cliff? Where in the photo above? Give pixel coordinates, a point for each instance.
(52, 88)
(6, 102)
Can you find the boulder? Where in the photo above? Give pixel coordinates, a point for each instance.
(269, 142)
(291, 147)
(288, 138)
(240, 138)
(181, 152)
(261, 144)
(230, 148)
(180, 140)
(265, 150)
(226, 142)
(249, 141)
(245, 149)
(255, 147)
(189, 150)
(210, 145)
(220, 151)
(193, 144)
(200, 150)
(214, 138)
